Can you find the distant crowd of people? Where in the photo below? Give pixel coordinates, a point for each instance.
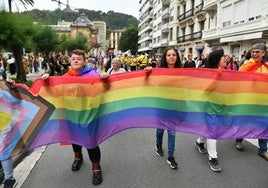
(59, 63)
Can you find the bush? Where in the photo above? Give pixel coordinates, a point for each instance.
(27, 82)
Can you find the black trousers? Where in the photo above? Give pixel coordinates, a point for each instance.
(94, 153)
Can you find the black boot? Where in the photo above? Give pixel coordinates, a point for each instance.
(97, 175)
(77, 161)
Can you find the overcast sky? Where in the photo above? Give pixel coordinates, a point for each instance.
(130, 7)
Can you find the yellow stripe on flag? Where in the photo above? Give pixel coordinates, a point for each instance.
(4, 120)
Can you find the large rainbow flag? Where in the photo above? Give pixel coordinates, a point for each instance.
(217, 104)
(22, 116)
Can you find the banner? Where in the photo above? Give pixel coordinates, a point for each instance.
(218, 104)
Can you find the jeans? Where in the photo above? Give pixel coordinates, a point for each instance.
(171, 140)
(7, 166)
(263, 145)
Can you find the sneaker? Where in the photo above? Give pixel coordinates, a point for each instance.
(214, 165)
(9, 183)
(159, 150)
(201, 148)
(97, 177)
(172, 163)
(239, 146)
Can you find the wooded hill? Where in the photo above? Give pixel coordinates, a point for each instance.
(114, 20)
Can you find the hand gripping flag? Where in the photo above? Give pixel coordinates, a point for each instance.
(22, 116)
(218, 104)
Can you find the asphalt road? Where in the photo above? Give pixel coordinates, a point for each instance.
(129, 161)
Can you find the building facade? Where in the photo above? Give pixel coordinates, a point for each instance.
(195, 25)
(83, 26)
(235, 24)
(94, 31)
(101, 39)
(114, 39)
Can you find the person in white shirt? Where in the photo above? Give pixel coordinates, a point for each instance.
(115, 69)
(12, 65)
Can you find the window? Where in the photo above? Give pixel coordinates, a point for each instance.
(254, 13)
(158, 39)
(202, 25)
(159, 26)
(171, 34)
(239, 15)
(171, 14)
(159, 13)
(227, 12)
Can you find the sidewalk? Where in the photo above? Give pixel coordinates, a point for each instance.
(23, 169)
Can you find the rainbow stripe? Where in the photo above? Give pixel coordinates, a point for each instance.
(217, 104)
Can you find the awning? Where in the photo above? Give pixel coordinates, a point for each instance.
(242, 37)
(181, 49)
(199, 48)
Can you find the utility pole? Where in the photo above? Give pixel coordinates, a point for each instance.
(59, 10)
(76, 21)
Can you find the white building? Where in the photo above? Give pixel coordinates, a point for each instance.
(146, 26)
(194, 25)
(101, 33)
(114, 39)
(235, 24)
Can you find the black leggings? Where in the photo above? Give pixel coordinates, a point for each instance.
(94, 153)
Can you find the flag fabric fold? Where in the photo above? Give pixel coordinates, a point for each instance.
(22, 116)
(218, 104)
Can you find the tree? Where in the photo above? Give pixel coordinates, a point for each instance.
(63, 43)
(24, 2)
(16, 31)
(45, 40)
(79, 42)
(129, 40)
(68, 43)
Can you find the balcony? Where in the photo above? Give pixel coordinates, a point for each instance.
(165, 14)
(210, 34)
(164, 42)
(145, 38)
(165, 28)
(145, 18)
(147, 27)
(210, 5)
(165, 2)
(199, 8)
(186, 15)
(190, 37)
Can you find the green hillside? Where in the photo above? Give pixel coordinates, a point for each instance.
(114, 20)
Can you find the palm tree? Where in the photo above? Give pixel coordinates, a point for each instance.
(24, 2)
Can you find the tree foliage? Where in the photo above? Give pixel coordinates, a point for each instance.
(67, 43)
(45, 40)
(16, 31)
(129, 40)
(79, 42)
(24, 3)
